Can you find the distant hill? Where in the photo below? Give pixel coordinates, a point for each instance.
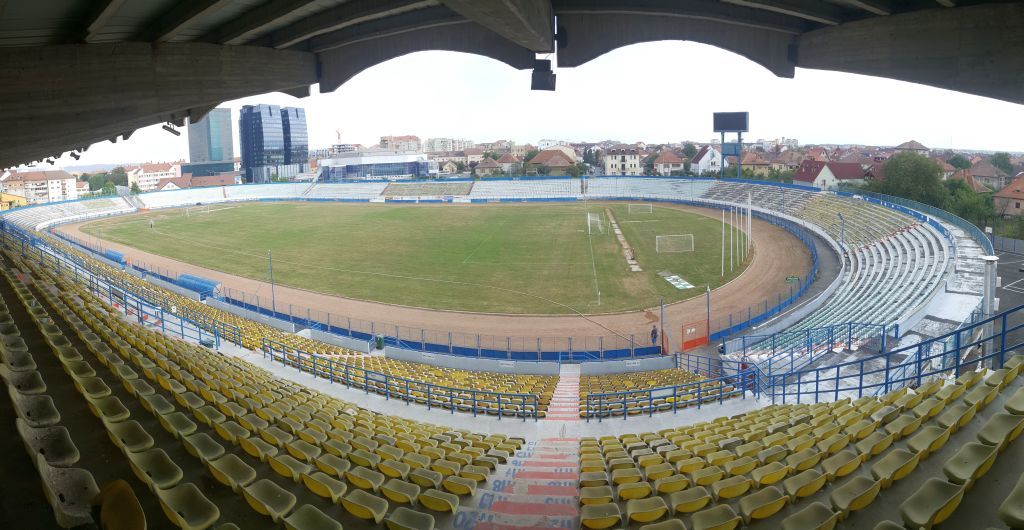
(91, 168)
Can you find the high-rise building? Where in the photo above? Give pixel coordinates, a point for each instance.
(209, 139)
(296, 137)
(274, 142)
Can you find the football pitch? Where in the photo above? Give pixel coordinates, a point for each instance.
(499, 258)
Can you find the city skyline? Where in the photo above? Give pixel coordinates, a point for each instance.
(669, 100)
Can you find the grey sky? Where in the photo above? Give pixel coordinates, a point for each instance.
(656, 92)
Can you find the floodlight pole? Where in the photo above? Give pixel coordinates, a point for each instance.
(721, 163)
(723, 243)
(739, 155)
(270, 264)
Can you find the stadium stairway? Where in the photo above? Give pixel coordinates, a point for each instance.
(538, 487)
(565, 403)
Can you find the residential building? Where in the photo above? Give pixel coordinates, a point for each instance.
(146, 176)
(447, 168)
(209, 139)
(519, 151)
(265, 152)
(487, 167)
(707, 160)
(826, 175)
(191, 181)
(753, 161)
(912, 146)
(984, 172)
(497, 146)
(401, 143)
(787, 160)
(1009, 200)
(947, 170)
(668, 162)
(377, 166)
(446, 145)
(972, 184)
(39, 187)
(10, 201)
(623, 160)
(510, 164)
(548, 143)
(552, 162)
(474, 155)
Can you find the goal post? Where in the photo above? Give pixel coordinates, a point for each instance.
(640, 208)
(594, 223)
(674, 243)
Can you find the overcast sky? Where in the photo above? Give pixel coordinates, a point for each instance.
(655, 92)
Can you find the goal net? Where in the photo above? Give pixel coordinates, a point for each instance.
(193, 210)
(594, 223)
(674, 243)
(640, 208)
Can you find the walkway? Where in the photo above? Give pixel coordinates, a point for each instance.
(565, 403)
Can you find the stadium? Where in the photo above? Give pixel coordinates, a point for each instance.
(225, 395)
(533, 352)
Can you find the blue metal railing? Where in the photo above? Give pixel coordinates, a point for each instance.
(985, 341)
(791, 350)
(668, 398)
(408, 390)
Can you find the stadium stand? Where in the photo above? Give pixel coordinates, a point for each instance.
(633, 392)
(279, 447)
(427, 189)
(808, 466)
(45, 215)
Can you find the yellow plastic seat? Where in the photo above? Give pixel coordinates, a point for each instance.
(288, 467)
(970, 463)
(600, 516)
(671, 483)
(769, 474)
(762, 504)
(459, 485)
(841, 464)
(804, 484)
(929, 440)
(731, 487)
(895, 465)
(269, 499)
(365, 505)
(232, 472)
(721, 517)
(400, 491)
(308, 517)
(932, 503)
(689, 500)
(855, 494)
(364, 478)
(426, 478)
(439, 501)
(646, 510)
(324, 485)
(405, 519)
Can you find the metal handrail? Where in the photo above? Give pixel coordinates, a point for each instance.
(597, 405)
(401, 387)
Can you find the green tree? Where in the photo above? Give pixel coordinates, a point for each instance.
(529, 156)
(119, 176)
(689, 150)
(959, 161)
(135, 188)
(109, 188)
(912, 176)
(649, 164)
(460, 166)
(1002, 161)
(578, 169)
(975, 207)
(96, 181)
(543, 170)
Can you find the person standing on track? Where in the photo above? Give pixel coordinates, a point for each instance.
(654, 335)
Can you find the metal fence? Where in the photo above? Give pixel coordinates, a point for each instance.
(984, 342)
(408, 390)
(667, 398)
(1008, 244)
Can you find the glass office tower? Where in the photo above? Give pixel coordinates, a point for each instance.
(261, 138)
(296, 137)
(209, 139)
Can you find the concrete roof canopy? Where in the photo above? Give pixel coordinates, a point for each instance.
(172, 61)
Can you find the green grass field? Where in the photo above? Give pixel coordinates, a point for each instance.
(508, 258)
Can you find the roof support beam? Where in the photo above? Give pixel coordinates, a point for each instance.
(975, 49)
(153, 83)
(528, 23)
(946, 3)
(172, 22)
(343, 16)
(100, 16)
(696, 10)
(812, 10)
(253, 23)
(877, 7)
